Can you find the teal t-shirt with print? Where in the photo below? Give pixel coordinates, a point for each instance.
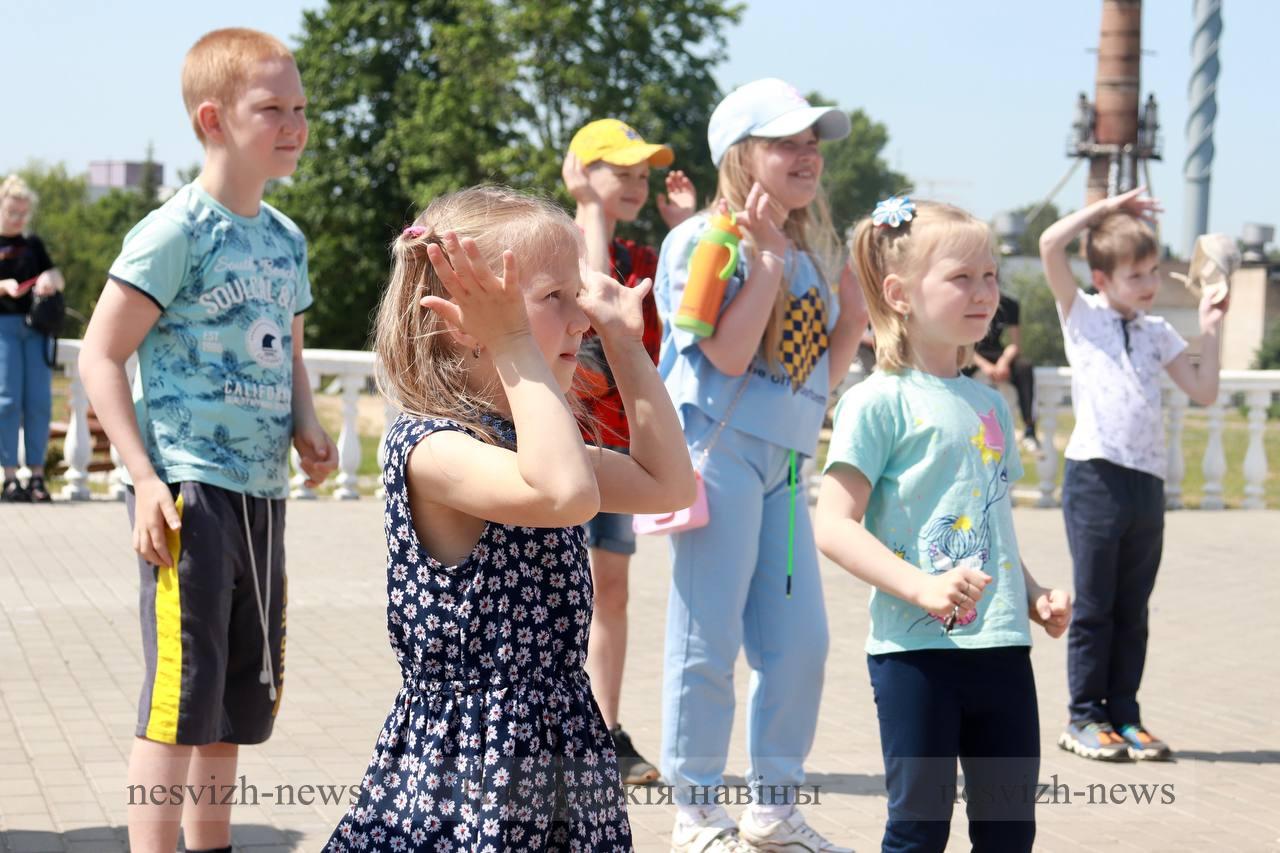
(940, 455)
(213, 389)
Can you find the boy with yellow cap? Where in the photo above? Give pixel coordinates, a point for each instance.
(607, 173)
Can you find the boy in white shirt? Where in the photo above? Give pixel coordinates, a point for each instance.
(1113, 486)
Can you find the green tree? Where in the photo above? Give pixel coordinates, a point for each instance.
(397, 116)
(1038, 318)
(1268, 357)
(1029, 243)
(409, 101)
(648, 63)
(84, 237)
(149, 181)
(856, 175)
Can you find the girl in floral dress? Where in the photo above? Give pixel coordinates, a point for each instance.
(494, 742)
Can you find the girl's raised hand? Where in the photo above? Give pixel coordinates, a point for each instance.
(485, 306)
(756, 217)
(962, 588)
(679, 202)
(616, 312)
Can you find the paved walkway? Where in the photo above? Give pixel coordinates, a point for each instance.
(70, 672)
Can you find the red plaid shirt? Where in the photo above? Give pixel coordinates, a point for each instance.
(632, 263)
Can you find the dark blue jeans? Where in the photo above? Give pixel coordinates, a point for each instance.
(979, 706)
(1115, 529)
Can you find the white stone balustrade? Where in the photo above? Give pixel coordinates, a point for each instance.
(1259, 388)
(354, 369)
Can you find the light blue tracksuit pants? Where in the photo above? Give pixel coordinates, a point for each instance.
(26, 391)
(728, 592)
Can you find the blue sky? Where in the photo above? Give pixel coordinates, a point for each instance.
(977, 96)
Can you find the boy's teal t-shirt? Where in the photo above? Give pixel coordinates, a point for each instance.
(940, 457)
(214, 386)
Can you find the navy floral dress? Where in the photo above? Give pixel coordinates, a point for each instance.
(495, 742)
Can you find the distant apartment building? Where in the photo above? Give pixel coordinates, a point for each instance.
(107, 175)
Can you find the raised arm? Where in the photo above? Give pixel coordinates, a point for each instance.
(740, 328)
(1201, 382)
(549, 481)
(1058, 236)
(657, 475)
(589, 215)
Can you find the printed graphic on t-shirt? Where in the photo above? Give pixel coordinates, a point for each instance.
(215, 382)
(804, 336)
(964, 541)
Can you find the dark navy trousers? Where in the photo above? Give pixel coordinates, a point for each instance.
(1115, 529)
(977, 705)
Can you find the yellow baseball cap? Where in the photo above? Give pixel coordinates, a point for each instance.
(618, 144)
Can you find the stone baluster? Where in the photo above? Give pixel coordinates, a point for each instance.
(1214, 464)
(115, 480)
(1176, 467)
(1255, 458)
(1050, 400)
(349, 439)
(78, 446)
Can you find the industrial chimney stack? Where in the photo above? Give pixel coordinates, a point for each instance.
(1112, 133)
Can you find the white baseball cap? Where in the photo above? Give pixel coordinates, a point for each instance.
(769, 108)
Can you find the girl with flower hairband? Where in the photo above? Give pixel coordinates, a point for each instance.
(915, 501)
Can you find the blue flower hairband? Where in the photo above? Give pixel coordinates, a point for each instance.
(893, 211)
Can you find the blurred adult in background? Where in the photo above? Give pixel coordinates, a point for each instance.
(26, 374)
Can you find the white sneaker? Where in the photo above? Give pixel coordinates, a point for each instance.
(718, 835)
(1031, 444)
(791, 833)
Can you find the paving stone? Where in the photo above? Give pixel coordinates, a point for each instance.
(72, 668)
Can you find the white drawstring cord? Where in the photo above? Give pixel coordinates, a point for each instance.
(266, 675)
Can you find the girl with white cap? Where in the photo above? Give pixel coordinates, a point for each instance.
(752, 396)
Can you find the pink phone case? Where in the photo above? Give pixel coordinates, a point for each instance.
(689, 518)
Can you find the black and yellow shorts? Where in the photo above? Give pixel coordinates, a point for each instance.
(213, 625)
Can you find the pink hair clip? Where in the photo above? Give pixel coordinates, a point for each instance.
(413, 232)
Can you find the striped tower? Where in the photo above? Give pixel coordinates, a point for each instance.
(1202, 96)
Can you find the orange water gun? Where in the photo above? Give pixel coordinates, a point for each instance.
(714, 260)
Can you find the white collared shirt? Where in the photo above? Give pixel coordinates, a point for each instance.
(1115, 390)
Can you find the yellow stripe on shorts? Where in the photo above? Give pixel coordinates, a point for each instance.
(166, 689)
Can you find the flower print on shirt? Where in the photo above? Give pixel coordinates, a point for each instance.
(964, 541)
